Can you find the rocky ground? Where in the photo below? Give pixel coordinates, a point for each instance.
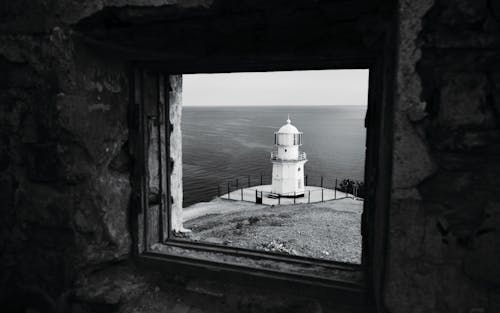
(329, 230)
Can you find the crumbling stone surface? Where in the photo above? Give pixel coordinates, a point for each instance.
(181, 295)
(43, 15)
(126, 288)
(63, 124)
(446, 98)
(463, 101)
(111, 287)
(412, 160)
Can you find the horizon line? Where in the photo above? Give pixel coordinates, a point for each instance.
(274, 105)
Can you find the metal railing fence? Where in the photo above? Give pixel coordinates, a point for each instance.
(326, 189)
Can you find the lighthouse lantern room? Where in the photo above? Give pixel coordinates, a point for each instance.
(288, 162)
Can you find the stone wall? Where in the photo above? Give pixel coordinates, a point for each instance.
(64, 161)
(65, 169)
(444, 253)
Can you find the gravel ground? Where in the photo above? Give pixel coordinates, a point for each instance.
(328, 230)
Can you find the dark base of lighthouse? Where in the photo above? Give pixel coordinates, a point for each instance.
(275, 196)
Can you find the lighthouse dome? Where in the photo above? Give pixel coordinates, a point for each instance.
(288, 128)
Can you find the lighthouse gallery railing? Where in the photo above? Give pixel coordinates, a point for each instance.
(302, 156)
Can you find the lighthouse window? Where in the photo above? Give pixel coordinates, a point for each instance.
(297, 139)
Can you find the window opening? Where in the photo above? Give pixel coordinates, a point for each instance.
(239, 187)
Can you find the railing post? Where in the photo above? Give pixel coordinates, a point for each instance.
(321, 181)
(256, 195)
(309, 197)
(237, 183)
(322, 194)
(294, 196)
(228, 191)
(306, 181)
(241, 193)
(335, 190)
(261, 179)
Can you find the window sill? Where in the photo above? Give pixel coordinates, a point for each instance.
(343, 282)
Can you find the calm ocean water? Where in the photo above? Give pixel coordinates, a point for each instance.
(223, 143)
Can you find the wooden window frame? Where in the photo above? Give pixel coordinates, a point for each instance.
(378, 162)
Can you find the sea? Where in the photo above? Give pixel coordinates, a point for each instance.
(224, 144)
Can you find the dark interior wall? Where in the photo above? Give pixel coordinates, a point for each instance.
(444, 236)
(64, 170)
(64, 164)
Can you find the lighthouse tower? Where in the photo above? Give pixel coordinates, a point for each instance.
(288, 162)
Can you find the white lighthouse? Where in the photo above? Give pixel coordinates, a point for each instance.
(288, 162)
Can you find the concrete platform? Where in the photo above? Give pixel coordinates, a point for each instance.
(312, 194)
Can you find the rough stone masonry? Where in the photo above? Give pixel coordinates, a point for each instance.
(65, 164)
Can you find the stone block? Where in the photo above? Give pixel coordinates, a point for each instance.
(457, 293)
(496, 92)
(4, 152)
(76, 165)
(51, 162)
(122, 161)
(417, 112)
(434, 243)
(17, 75)
(456, 192)
(406, 194)
(420, 287)
(461, 39)
(412, 159)
(481, 140)
(494, 300)
(464, 12)
(8, 185)
(103, 206)
(409, 289)
(43, 162)
(457, 60)
(92, 109)
(113, 286)
(407, 229)
(463, 102)
(474, 140)
(44, 206)
(482, 261)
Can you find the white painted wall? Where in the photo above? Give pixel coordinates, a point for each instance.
(288, 152)
(288, 177)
